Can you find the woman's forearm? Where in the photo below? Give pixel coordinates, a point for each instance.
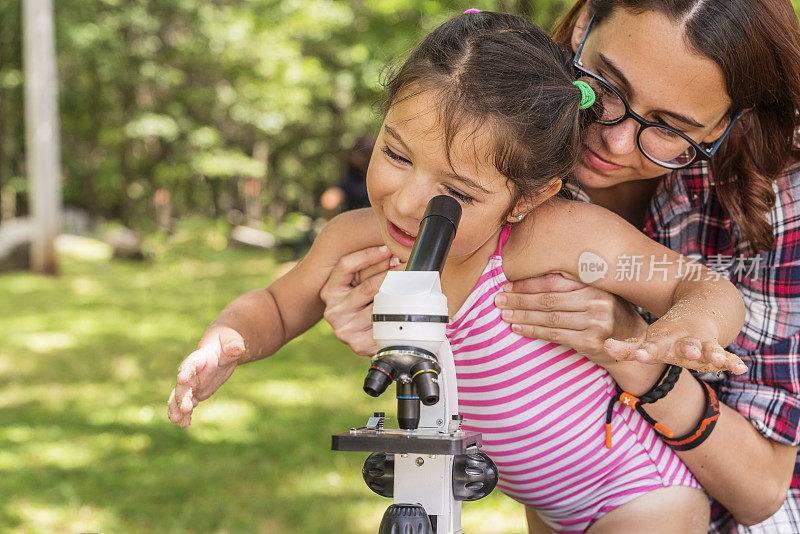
(746, 472)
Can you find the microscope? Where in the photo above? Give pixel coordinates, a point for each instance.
(428, 465)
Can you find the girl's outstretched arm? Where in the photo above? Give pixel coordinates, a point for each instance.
(258, 323)
(700, 311)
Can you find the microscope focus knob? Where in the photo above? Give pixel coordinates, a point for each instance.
(405, 519)
(378, 473)
(474, 476)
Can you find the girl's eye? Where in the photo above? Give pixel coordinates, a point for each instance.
(461, 197)
(661, 120)
(393, 155)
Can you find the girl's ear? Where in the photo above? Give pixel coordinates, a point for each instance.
(526, 205)
(580, 28)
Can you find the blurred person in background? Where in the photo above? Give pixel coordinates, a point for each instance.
(350, 192)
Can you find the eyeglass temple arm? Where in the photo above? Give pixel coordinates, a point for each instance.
(583, 41)
(725, 134)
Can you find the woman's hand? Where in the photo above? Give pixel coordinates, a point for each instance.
(348, 295)
(204, 371)
(670, 342)
(559, 310)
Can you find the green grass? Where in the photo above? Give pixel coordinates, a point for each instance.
(87, 361)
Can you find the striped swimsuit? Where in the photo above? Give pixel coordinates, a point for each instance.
(541, 408)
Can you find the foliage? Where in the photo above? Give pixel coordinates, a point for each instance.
(87, 362)
(196, 95)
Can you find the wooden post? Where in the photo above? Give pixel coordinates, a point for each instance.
(252, 203)
(43, 151)
(163, 209)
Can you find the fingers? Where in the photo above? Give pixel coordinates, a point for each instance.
(688, 352)
(544, 283)
(563, 336)
(180, 407)
(231, 344)
(372, 270)
(564, 301)
(357, 332)
(348, 266)
(181, 401)
(622, 349)
(553, 319)
(722, 360)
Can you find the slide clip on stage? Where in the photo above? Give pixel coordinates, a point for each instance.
(428, 465)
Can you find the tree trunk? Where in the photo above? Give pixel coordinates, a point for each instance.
(42, 131)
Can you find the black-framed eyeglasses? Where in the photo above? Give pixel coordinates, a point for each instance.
(660, 143)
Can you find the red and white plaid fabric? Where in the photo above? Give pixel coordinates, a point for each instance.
(685, 216)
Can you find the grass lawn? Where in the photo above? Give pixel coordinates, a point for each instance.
(87, 361)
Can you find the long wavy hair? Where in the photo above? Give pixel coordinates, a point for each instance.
(756, 44)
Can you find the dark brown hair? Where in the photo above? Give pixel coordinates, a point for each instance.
(756, 44)
(502, 72)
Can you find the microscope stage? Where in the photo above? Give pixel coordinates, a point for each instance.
(404, 441)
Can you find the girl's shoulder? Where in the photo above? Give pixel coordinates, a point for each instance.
(348, 232)
(355, 229)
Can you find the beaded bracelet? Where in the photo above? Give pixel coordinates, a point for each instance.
(703, 429)
(663, 385)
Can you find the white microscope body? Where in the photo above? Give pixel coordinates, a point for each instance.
(429, 465)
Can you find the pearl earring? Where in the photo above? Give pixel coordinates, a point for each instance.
(520, 216)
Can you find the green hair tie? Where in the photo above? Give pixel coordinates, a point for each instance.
(587, 94)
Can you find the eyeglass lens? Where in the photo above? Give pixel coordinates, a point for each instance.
(661, 145)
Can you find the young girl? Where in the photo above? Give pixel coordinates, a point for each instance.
(485, 110)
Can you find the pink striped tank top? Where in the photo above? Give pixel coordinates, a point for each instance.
(541, 408)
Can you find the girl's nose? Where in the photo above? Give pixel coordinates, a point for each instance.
(411, 199)
(620, 139)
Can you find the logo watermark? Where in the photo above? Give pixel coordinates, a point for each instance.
(591, 267)
(640, 267)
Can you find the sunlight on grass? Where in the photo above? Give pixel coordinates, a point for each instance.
(64, 518)
(44, 342)
(88, 360)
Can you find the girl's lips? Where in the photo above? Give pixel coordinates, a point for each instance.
(399, 235)
(597, 162)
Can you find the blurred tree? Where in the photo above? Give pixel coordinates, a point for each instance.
(198, 96)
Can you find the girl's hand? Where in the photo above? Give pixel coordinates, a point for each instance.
(668, 343)
(559, 310)
(204, 371)
(348, 295)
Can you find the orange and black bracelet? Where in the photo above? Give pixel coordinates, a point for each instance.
(699, 433)
(663, 385)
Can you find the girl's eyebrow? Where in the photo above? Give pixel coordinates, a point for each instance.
(469, 182)
(463, 179)
(608, 64)
(391, 131)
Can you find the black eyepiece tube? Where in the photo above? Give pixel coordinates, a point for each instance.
(436, 233)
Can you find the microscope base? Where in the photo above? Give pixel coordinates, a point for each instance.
(402, 442)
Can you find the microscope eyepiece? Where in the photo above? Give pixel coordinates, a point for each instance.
(379, 376)
(436, 232)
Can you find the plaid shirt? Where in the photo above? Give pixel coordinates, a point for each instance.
(685, 216)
